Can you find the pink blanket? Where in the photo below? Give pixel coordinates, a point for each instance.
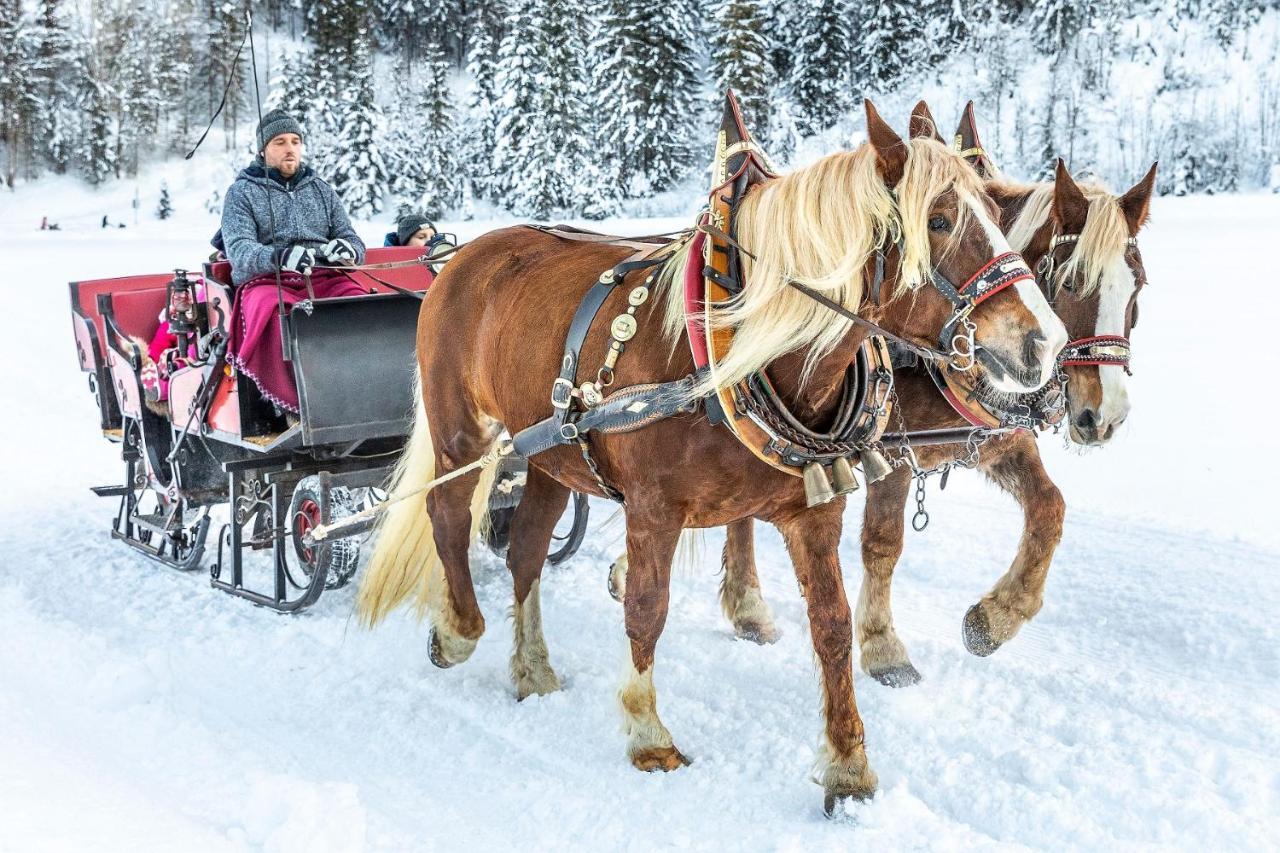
(255, 348)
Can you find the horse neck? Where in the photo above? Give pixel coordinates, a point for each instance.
(1012, 201)
(814, 400)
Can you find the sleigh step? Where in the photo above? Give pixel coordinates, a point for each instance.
(110, 491)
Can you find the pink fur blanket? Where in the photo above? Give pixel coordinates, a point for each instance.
(255, 348)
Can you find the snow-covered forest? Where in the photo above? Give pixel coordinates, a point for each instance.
(550, 107)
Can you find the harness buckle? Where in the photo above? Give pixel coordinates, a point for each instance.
(569, 431)
(561, 393)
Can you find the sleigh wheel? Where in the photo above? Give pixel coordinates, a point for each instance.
(309, 508)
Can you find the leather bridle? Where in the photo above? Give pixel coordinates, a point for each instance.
(1094, 350)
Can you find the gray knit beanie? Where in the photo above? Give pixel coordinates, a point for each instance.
(275, 123)
(409, 224)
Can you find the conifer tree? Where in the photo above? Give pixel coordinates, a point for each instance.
(740, 57)
(225, 33)
(440, 186)
(646, 82)
(17, 90)
(58, 73)
(97, 155)
(891, 40)
(356, 167)
(479, 128)
(543, 148)
(165, 208)
(821, 71)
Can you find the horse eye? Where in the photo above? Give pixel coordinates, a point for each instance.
(939, 223)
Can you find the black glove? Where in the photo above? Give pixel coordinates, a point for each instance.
(337, 252)
(298, 259)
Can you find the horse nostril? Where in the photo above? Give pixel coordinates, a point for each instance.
(1086, 420)
(1031, 348)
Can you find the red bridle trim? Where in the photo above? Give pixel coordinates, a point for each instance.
(1019, 273)
(1103, 340)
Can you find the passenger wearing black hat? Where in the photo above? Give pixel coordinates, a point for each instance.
(412, 229)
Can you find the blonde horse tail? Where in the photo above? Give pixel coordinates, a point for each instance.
(404, 562)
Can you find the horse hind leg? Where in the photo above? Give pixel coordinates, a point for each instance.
(883, 655)
(532, 527)
(1019, 594)
(740, 596)
(458, 509)
(649, 553)
(420, 547)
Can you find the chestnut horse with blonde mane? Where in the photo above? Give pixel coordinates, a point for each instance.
(1093, 282)
(490, 340)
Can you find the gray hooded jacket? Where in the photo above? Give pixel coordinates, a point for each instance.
(305, 209)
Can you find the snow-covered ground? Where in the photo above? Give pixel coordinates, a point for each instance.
(142, 710)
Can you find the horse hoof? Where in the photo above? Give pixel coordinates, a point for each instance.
(618, 581)
(902, 675)
(977, 633)
(436, 654)
(664, 758)
(833, 798)
(761, 635)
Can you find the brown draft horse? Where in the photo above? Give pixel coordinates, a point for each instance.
(1094, 289)
(490, 339)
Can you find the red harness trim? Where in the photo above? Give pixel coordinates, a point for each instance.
(1019, 271)
(961, 409)
(694, 296)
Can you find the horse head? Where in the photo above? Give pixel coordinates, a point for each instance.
(976, 289)
(1089, 265)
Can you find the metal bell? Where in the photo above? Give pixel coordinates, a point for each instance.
(842, 477)
(817, 488)
(874, 466)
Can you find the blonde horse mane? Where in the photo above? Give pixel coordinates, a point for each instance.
(1102, 242)
(820, 226)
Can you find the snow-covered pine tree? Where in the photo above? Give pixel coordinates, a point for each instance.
(740, 59)
(165, 207)
(891, 40)
(440, 185)
(225, 33)
(1056, 23)
(58, 76)
(480, 125)
(646, 85)
(96, 153)
(355, 165)
(18, 95)
(822, 65)
(543, 149)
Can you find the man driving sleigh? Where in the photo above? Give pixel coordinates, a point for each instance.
(281, 222)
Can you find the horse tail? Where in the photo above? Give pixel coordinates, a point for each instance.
(405, 562)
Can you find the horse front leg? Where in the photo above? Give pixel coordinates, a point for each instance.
(813, 538)
(883, 656)
(650, 551)
(532, 527)
(1019, 594)
(740, 597)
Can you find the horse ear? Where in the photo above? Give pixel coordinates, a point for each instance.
(1136, 203)
(1070, 207)
(922, 123)
(968, 146)
(891, 151)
